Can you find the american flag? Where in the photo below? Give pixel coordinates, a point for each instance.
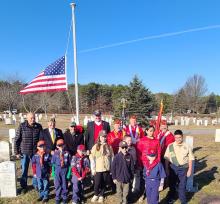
(52, 79)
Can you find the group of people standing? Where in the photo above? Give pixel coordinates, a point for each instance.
(121, 158)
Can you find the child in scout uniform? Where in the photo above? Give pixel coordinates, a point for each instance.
(101, 157)
(41, 167)
(122, 170)
(154, 175)
(179, 158)
(61, 162)
(79, 167)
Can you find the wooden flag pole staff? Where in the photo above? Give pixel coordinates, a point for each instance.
(73, 5)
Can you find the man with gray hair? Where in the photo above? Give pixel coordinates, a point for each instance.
(26, 139)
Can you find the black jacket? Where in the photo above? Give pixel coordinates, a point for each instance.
(72, 141)
(45, 135)
(122, 168)
(26, 138)
(89, 135)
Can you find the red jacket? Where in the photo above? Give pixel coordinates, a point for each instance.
(143, 145)
(165, 139)
(135, 132)
(114, 138)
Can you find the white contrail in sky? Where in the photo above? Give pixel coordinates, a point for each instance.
(164, 35)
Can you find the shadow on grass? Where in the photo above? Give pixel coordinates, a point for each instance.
(196, 149)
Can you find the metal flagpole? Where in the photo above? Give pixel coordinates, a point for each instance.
(73, 5)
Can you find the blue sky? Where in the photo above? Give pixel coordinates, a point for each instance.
(34, 33)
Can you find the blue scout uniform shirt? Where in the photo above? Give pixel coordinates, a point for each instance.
(80, 163)
(156, 173)
(57, 162)
(44, 170)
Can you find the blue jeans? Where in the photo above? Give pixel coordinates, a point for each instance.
(25, 160)
(179, 177)
(43, 187)
(78, 193)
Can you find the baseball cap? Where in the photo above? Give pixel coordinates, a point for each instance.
(72, 124)
(123, 144)
(97, 113)
(81, 147)
(60, 142)
(151, 152)
(40, 143)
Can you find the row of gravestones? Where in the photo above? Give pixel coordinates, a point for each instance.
(8, 179)
(11, 119)
(188, 121)
(8, 187)
(91, 118)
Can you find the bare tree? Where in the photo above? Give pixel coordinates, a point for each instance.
(9, 97)
(194, 89)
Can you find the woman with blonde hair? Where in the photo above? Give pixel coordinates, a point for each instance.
(101, 157)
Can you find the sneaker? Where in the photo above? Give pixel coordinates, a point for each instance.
(94, 198)
(74, 202)
(101, 199)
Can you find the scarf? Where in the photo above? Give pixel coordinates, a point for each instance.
(149, 166)
(61, 159)
(134, 137)
(41, 154)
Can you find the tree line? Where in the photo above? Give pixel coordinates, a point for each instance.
(192, 97)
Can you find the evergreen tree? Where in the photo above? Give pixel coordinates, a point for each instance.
(140, 100)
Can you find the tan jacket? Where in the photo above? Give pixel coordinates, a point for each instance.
(99, 162)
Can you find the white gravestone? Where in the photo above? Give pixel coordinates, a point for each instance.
(20, 114)
(22, 119)
(4, 151)
(12, 134)
(217, 135)
(110, 121)
(8, 179)
(194, 120)
(40, 116)
(187, 121)
(10, 114)
(85, 121)
(37, 119)
(182, 123)
(189, 184)
(8, 121)
(206, 123)
(176, 122)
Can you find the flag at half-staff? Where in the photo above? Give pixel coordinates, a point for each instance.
(52, 79)
(158, 121)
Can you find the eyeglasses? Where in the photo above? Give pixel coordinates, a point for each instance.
(60, 145)
(41, 146)
(124, 147)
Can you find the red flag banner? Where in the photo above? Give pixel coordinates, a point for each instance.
(157, 127)
(52, 79)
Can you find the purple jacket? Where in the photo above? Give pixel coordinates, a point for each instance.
(44, 170)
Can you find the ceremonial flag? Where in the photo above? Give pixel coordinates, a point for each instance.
(52, 79)
(157, 128)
